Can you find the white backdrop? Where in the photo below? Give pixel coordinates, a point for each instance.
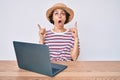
(98, 24)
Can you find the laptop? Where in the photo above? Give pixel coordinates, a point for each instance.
(35, 57)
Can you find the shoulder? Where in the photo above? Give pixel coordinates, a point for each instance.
(49, 31)
(68, 32)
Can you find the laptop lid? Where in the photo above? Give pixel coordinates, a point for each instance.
(34, 57)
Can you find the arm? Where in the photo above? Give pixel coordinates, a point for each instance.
(75, 51)
(41, 40)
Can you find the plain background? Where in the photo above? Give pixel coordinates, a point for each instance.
(98, 26)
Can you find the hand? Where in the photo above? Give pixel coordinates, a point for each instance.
(42, 32)
(74, 31)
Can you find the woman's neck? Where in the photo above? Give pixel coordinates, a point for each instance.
(59, 30)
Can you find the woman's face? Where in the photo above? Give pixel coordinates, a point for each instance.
(59, 17)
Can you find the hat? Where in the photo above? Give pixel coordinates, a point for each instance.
(60, 6)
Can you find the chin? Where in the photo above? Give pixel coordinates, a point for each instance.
(61, 27)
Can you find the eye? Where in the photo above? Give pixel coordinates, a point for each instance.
(63, 13)
(55, 13)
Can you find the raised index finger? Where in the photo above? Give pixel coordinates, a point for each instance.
(75, 26)
(39, 27)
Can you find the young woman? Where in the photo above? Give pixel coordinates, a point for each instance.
(63, 43)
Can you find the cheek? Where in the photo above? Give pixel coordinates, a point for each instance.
(64, 19)
(54, 18)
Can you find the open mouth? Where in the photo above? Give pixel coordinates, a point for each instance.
(59, 21)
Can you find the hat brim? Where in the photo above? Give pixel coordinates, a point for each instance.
(70, 11)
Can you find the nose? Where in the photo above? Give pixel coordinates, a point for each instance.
(59, 15)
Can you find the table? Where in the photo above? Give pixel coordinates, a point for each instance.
(79, 70)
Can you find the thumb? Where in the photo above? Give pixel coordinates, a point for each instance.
(70, 29)
(44, 29)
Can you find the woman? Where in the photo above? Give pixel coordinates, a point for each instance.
(63, 43)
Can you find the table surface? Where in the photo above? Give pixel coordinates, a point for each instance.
(79, 70)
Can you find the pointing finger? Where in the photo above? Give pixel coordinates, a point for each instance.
(75, 24)
(39, 27)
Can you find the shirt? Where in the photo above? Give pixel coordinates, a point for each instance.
(60, 45)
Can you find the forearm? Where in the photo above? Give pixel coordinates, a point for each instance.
(75, 52)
